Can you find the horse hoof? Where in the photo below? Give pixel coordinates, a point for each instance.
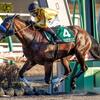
(56, 89)
(24, 80)
(47, 82)
(28, 91)
(56, 85)
(19, 92)
(54, 81)
(10, 92)
(73, 86)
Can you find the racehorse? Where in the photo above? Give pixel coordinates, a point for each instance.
(38, 50)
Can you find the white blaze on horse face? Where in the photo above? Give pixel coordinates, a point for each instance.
(66, 33)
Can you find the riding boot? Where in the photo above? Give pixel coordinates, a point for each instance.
(56, 39)
(53, 34)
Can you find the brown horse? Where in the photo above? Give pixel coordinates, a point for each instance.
(38, 50)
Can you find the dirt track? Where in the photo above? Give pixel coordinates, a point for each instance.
(55, 97)
(38, 73)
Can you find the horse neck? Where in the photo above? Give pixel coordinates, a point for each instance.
(27, 34)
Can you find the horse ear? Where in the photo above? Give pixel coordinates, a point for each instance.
(14, 16)
(17, 16)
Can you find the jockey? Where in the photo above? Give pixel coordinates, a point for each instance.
(42, 18)
(3, 29)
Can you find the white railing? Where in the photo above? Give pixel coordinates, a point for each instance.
(16, 47)
(11, 14)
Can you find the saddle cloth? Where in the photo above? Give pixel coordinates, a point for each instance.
(63, 33)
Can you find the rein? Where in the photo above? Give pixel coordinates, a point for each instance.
(12, 26)
(23, 28)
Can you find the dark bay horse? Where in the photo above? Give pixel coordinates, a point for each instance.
(38, 50)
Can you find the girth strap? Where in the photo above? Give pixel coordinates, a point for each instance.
(55, 53)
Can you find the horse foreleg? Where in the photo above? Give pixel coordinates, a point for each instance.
(66, 65)
(57, 82)
(48, 71)
(67, 68)
(73, 85)
(28, 65)
(81, 61)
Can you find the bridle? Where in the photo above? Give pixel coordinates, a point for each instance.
(11, 25)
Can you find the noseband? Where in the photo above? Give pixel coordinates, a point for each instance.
(11, 26)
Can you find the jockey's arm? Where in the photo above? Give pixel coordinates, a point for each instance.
(44, 16)
(50, 13)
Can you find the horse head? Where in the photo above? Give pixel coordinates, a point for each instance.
(22, 30)
(7, 24)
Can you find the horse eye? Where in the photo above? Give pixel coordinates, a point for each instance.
(7, 24)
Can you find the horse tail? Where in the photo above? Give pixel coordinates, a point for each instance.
(95, 49)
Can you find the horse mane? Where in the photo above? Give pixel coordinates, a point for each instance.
(34, 29)
(19, 18)
(27, 22)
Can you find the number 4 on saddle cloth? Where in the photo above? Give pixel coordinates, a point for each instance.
(64, 33)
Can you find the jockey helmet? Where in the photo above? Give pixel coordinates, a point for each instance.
(33, 6)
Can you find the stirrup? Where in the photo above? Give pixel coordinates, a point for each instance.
(57, 40)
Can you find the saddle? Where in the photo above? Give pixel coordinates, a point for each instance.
(63, 33)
